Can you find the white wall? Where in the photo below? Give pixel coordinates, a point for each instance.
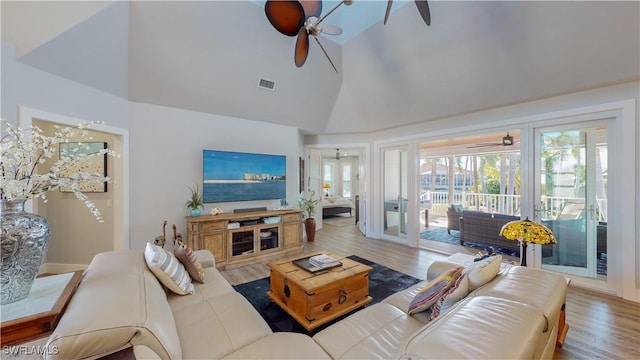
(22, 85)
(166, 157)
(33, 88)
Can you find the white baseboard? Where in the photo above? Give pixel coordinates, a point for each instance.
(53, 268)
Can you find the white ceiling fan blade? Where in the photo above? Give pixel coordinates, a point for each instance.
(331, 29)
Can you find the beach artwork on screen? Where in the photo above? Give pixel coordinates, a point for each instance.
(235, 176)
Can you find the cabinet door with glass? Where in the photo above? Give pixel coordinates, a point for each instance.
(268, 237)
(242, 241)
(253, 240)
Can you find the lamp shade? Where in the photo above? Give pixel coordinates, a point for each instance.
(327, 186)
(528, 231)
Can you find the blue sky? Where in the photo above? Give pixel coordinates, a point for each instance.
(224, 165)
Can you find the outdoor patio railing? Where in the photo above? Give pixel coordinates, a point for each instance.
(438, 201)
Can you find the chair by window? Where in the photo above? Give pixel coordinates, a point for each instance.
(454, 212)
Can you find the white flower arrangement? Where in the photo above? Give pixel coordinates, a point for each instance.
(22, 151)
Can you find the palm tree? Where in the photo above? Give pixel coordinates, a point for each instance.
(511, 186)
(483, 164)
(434, 170)
(474, 170)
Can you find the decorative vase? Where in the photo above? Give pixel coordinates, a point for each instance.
(310, 227)
(24, 242)
(195, 212)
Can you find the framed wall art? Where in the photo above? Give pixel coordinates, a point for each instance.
(93, 165)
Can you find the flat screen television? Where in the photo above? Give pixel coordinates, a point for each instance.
(235, 176)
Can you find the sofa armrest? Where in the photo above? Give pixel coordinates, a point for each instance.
(133, 311)
(476, 328)
(440, 266)
(144, 352)
(205, 258)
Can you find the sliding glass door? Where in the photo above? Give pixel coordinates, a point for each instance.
(395, 198)
(571, 193)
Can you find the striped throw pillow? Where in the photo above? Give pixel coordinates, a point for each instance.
(188, 258)
(428, 295)
(169, 271)
(457, 292)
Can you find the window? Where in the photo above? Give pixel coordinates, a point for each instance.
(328, 178)
(346, 180)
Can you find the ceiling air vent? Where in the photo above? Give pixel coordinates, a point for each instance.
(267, 84)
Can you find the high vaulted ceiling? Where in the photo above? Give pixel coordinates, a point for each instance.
(208, 56)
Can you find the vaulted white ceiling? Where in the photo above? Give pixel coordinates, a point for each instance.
(208, 56)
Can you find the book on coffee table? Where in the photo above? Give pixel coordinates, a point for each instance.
(306, 264)
(323, 261)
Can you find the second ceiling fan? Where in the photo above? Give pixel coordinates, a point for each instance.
(301, 19)
(507, 140)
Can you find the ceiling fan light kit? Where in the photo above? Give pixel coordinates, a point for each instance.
(507, 140)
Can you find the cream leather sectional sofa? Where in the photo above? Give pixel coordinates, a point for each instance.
(121, 304)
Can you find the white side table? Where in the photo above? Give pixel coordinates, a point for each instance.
(37, 315)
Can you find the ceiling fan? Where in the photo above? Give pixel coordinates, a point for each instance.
(423, 9)
(507, 140)
(301, 19)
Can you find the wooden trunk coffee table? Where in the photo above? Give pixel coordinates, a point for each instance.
(314, 299)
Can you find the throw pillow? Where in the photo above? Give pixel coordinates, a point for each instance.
(169, 271)
(429, 294)
(483, 271)
(457, 292)
(188, 258)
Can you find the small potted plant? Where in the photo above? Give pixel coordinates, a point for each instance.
(195, 202)
(308, 207)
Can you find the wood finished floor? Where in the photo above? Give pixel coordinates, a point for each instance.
(601, 326)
